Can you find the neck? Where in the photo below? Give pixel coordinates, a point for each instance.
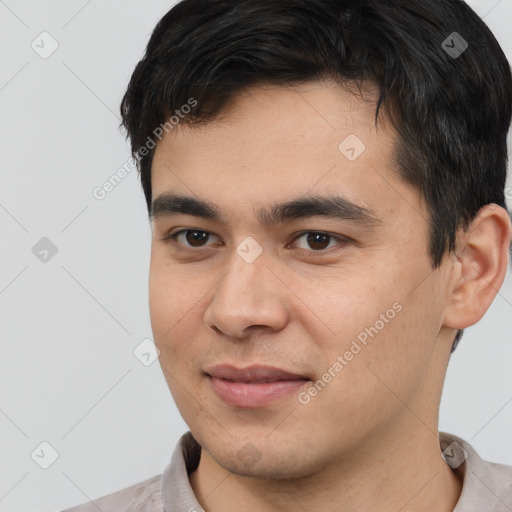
(402, 471)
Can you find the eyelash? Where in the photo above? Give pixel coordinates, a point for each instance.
(340, 239)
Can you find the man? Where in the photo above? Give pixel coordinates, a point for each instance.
(325, 181)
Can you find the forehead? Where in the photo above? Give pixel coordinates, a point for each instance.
(273, 143)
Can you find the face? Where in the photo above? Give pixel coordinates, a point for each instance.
(293, 336)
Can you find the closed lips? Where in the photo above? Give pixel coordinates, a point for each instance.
(253, 374)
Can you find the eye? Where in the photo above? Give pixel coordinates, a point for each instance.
(313, 241)
(190, 237)
(319, 241)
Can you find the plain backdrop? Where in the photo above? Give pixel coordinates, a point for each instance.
(69, 324)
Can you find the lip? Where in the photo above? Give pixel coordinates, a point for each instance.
(253, 386)
(252, 373)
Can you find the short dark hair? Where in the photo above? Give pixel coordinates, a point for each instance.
(451, 111)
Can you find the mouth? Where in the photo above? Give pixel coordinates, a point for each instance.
(254, 386)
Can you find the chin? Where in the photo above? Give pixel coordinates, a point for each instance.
(273, 470)
(269, 461)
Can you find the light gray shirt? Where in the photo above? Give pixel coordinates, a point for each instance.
(487, 486)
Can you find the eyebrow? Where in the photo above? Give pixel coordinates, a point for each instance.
(332, 206)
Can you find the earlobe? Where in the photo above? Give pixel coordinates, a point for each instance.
(481, 264)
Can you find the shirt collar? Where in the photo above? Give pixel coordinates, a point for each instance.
(485, 485)
(176, 491)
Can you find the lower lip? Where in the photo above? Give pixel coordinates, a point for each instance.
(244, 394)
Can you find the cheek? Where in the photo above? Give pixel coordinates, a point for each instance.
(349, 306)
(377, 323)
(172, 300)
(396, 361)
(171, 303)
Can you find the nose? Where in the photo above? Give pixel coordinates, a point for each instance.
(248, 297)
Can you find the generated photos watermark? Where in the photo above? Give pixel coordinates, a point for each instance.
(100, 192)
(363, 337)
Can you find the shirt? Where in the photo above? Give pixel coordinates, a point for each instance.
(486, 486)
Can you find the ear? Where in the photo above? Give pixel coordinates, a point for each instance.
(479, 266)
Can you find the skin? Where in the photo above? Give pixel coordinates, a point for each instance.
(368, 440)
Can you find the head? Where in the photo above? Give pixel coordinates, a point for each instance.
(252, 122)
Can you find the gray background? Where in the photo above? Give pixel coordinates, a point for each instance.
(69, 326)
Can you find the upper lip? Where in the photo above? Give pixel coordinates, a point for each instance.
(252, 373)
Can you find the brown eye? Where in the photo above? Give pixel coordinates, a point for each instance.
(192, 238)
(318, 241)
(196, 238)
(315, 241)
